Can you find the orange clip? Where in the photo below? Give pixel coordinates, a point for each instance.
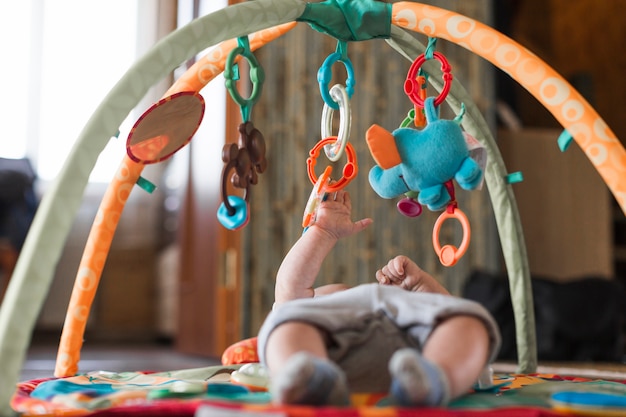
(420, 117)
(449, 255)
(349, 170)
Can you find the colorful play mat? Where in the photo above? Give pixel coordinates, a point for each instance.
(207, 392)
(234, 33)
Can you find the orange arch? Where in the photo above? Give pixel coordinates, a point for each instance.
(113, 203)
(588, 129)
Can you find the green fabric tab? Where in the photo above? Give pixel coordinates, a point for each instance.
(349, 20)
(564, 140)
(146, 185)
(514, 177)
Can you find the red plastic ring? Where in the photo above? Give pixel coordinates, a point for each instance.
(412, 87)
(350, 169)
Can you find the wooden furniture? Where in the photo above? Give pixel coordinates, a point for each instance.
(564, 205)
(8, 259)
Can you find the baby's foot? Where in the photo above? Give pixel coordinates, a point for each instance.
(416, 381)
(307, 379)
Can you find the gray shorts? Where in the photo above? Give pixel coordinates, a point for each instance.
(366, 324)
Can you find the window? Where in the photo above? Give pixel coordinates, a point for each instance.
(65, 56)
(14, 76)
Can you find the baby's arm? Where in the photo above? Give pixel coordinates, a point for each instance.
(299, 269)
(403, 272)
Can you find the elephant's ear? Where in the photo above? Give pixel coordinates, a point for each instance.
(382, 146)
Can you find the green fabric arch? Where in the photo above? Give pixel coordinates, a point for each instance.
(42, 249)
(502, 199)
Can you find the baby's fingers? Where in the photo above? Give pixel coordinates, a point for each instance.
(385, 279)
(382, 278)
(391, 275)
(395, 267)
(361, 224)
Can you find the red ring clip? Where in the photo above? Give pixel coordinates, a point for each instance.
(412, 86)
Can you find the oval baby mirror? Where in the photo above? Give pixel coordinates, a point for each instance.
(165, 127)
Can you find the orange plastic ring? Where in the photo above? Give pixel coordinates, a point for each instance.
(449, 255)
(350, 169)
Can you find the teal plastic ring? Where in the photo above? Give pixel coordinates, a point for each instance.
(325, 74)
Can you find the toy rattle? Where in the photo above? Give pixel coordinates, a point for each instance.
(247, 158)
(337, 98)
(322, 185)
(449, 255)
(421, 163)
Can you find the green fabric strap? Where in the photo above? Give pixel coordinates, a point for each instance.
(349, 20)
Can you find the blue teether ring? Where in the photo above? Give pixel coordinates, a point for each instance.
(239, 218)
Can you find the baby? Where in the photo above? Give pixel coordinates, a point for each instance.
(405, 335)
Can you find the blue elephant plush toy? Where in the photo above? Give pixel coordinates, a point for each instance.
(412, 160)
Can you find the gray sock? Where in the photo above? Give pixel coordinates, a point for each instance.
(417, 381)
(307, 379)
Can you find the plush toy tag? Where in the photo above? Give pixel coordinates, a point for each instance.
(478, 153)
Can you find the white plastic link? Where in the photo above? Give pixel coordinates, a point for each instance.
(335, 151)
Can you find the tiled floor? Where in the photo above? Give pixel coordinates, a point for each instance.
(41, 359)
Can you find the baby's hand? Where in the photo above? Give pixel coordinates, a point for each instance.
(334, 216)
(394, 273)
(403, 272)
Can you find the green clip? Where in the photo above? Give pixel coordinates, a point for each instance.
(235, 74)
(146, 185)
(564, 140)
(410, 117)
(231, 76)
(514, 177)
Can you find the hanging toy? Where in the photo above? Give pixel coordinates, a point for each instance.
(450, 254)
(422, 160)
(247, 158)
(337, 98)
(421, 163)
(323, 184)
